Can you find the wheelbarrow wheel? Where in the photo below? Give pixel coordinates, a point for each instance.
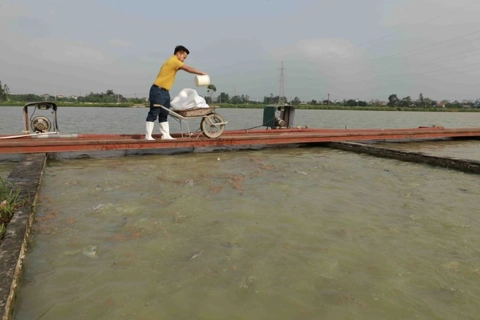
(212, 125)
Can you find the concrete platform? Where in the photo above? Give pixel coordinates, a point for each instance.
(26, 176)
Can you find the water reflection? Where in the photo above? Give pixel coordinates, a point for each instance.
(287, 233)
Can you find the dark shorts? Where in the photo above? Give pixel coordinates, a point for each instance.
(158, 96)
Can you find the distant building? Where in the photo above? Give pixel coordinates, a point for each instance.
(376, 102)
(476, 104)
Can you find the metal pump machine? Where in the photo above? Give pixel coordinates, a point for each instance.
(276, 117)
(40, 123)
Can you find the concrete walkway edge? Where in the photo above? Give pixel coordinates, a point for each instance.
(26, 177)
(464, 165)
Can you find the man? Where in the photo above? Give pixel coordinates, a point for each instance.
(159, 91)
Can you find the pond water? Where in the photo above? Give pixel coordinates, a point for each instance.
(296, 233)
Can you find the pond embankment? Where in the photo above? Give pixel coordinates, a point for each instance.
(26, 177)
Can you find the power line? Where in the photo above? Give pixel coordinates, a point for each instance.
(431, 62)
(449, 14)
(436, 47)
(406, 77)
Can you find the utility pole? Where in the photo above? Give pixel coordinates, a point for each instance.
(281, 94)
(328, 99)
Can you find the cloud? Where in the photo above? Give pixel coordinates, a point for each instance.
(370, 49)
(119, 43)
(68, 52)
(327, 50)
(431, 12)
(319, 51)
(13, 11)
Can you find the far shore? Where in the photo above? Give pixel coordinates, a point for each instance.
(258, 106)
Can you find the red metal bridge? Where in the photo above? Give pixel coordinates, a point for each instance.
(48, 143)
(42, 134)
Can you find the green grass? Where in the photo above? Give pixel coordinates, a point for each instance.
(9, 202)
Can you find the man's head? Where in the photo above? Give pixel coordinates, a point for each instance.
(181, 52)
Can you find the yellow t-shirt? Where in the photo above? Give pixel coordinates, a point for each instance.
(166, 75)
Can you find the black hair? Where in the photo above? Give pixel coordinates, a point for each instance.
(181, 49)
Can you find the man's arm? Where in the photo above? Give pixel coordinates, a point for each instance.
(192, 70)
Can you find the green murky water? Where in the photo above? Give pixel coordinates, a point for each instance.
(275, 234)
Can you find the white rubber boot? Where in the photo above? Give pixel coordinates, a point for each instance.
(165, 130)
(149, 127)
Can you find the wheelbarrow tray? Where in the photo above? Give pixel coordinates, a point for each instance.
(194, 112)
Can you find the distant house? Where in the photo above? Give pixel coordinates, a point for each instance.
(74, 97)
(376, 102)
(476, 104)
(441, 104)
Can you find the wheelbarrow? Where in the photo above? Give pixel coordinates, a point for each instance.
(212, 124)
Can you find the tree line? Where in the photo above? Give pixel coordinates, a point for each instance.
(425, 102)
(4, 92)
(103, 97)
(109, 96)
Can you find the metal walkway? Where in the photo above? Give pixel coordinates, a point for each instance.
(51, 143)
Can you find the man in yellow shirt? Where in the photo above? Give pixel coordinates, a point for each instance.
(159, 91)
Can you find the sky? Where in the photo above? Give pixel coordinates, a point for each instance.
(309, 49)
